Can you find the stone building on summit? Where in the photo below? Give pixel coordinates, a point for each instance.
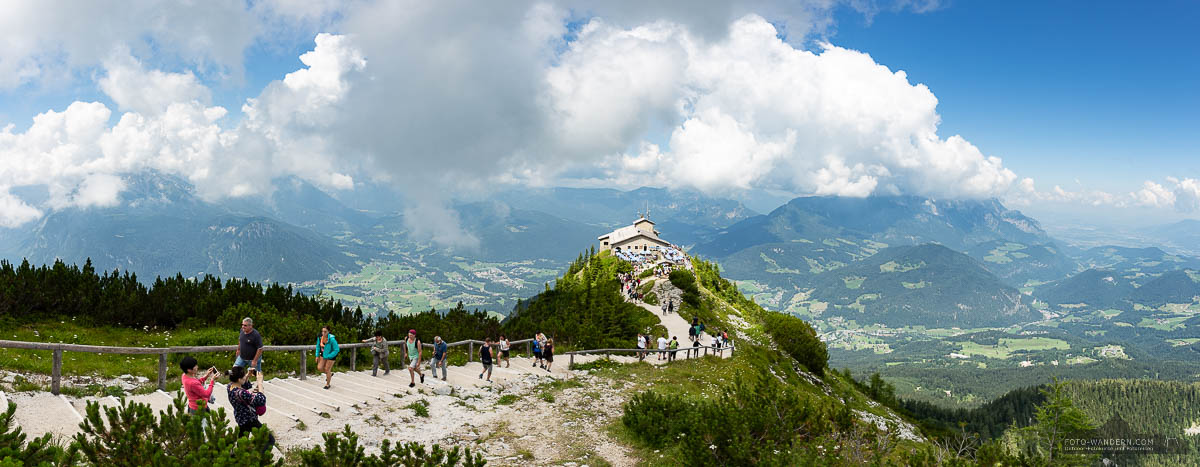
(637, 238)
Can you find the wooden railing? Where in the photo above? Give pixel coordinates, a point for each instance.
(716, 350)
(162, 352)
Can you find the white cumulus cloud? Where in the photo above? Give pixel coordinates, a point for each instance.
(148, 92)
(170, 128)
(753, 111)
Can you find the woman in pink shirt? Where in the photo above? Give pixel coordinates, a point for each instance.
(194, 388)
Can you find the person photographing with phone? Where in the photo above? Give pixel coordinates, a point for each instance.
(248, 401)
(197, 388)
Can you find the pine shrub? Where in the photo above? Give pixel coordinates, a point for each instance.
(799, 340)
(342, 450)
(760, 422)
(14, 449)
(131, 435)
(658, 419)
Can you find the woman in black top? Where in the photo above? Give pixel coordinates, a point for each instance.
(548, 354)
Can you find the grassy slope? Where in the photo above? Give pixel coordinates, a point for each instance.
(727, 309)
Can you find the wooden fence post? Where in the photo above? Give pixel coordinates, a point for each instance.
(56, 372)
(353, 358)
(572, 361)
(303, 365)
(162, 371)
(471, 351)
(529, 348)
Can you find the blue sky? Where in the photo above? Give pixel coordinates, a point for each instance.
(1104, 92)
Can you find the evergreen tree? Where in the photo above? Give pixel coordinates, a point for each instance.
(1057, 419)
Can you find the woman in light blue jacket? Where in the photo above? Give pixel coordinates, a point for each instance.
(327, 350)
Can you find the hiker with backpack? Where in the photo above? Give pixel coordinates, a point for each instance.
(412, 352)
(674, 346)
(537, 349)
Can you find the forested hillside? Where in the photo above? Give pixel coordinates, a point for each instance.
(584, 307)
(925, 285)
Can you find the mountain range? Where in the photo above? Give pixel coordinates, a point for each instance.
(910, 260)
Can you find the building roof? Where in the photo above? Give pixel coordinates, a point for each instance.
(643, 219)
(642, 235)
(622, 234)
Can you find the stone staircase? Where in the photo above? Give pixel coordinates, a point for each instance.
(291, 401)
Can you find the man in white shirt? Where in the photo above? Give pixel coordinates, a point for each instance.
(641, 346)
(662, 345)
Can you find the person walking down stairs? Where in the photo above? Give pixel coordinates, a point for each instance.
(548, 354)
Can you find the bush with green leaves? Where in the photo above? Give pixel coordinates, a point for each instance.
(760, 422)
(799, 340)
(420, 408)
(685, 281)
(342, 450)
(659, 420)
(650, 298)
(130, 434)
(15, 450)
(597, 364)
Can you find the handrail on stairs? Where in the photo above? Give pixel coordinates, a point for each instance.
(162, 352)
(686, 350)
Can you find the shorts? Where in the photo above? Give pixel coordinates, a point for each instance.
(239, 361)
(487, 367)
(414, 363)
(537, 354)
(504, 353)
(548, 358)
